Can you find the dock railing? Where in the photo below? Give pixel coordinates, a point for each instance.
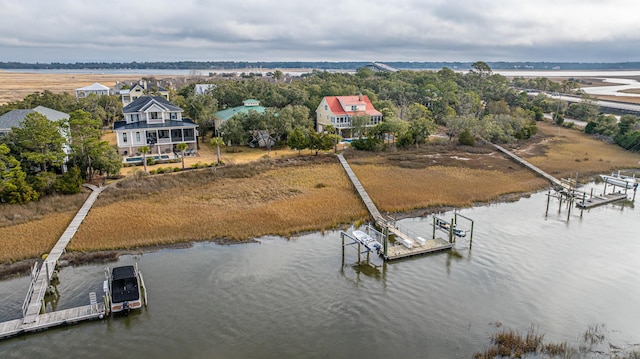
(34, 277)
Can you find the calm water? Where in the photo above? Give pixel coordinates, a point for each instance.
(295, 298)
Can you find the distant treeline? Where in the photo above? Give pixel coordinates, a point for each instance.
(322, 65)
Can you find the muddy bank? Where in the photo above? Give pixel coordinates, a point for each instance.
(24, 267)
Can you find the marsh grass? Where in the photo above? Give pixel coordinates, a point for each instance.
(509, 343)
(570, 151)
(241, 203)
(397, 189)
(286, 195)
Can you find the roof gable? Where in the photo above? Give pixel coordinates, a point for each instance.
(94, 87)
(142, 103)
(14, 118)
(340, 105)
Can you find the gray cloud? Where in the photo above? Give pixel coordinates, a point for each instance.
(291, 30)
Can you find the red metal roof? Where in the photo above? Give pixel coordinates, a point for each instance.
(335, 105)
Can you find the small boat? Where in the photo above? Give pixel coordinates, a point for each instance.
(616, 179)
(125, 289)
(445, 226)
(367, 241)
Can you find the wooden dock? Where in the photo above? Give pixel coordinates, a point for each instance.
(556, 182)
(430, 246)
(32, 309)
(393, 251)
(600, 200)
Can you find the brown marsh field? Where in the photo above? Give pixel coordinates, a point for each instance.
(289, 195)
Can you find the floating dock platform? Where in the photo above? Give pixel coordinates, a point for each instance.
(600, 200)
(430, 246)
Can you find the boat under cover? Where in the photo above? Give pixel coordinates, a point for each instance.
(367, 241)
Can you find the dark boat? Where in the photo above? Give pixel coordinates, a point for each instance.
(125, 289)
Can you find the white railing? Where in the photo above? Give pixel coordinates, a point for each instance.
(34, 277)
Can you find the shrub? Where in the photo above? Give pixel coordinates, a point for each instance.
(70, 182)
(43, 182)
(368, 144)
(466, 138)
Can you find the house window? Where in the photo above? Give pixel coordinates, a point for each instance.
(354, 107)
(173, 116)
(137, 136)
(124, 137)
(326, 107)
(154, 115)
(135, 117)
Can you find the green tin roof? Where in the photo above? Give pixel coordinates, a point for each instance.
(230, 112)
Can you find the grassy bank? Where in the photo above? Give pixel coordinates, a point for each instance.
(288, 195)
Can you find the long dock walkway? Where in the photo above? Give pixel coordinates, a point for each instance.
(41, 279)
(556, 182)
(373, 210)
(413, 246)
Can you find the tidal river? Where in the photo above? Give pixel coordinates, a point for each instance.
(296, 298)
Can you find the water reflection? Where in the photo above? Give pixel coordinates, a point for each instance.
(307, 298)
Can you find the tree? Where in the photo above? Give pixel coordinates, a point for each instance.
(466, 138)
(109, 161)
(40, 141)
(85, 141)
(14, 188)
(420, 129)
(144, 150)
(182, 147)
(456, 125)
(320, 141)
(297, 140)
(359, 124)
(278, 75)
(233, 132)
(217, 141)
(202, 108)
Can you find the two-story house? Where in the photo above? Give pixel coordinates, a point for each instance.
(142, 89)
(155, 122)
(338, 112)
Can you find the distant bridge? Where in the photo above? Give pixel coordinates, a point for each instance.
(606, 106)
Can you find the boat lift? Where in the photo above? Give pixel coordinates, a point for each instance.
(451, 227)
(363, 248)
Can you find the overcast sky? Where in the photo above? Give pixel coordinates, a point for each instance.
(319, 30)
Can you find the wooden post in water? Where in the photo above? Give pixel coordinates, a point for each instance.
(569, 208)
(385, 240)
(471, 237)
(560, 205)
(546, 213)
(451, 231)
(359, 252)
(434, 228)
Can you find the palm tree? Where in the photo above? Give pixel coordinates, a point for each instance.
(182, 147)
(217, 141)
(144, 150)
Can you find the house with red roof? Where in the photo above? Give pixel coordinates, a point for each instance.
(338, 111)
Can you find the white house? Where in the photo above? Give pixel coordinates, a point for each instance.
(96, 89)
(155, 122)
(338, 111)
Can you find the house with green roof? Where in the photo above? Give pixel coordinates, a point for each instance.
(247, 105)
